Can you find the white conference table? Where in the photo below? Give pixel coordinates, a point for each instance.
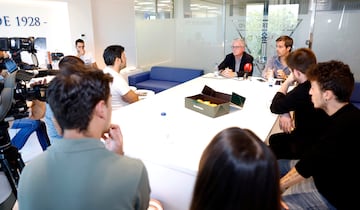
(172, 162)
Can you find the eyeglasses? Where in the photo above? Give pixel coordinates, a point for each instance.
(236, 47)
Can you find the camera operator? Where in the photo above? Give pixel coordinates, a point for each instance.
(31, 124)
(27, 126)
(3, 56)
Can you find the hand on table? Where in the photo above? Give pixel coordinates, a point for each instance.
(281, 74)
(269, 73)
(228, 73)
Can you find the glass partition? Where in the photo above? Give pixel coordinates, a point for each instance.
(260, 24)
(336, 33)
(199, 33)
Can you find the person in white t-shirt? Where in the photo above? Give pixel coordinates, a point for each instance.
(81, 53)
(115, 60)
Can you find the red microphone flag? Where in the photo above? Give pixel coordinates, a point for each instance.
(248, 67)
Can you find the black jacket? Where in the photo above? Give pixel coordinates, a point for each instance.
(229, 62)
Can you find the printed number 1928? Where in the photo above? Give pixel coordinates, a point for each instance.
(28, 21)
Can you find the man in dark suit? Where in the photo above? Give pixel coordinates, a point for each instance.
(233, 64)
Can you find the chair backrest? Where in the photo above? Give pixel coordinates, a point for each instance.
(174, 74)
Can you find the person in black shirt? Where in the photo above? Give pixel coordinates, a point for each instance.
(300, 122)
(329, 162)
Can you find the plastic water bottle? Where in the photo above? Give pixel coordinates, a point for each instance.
(216, 70)
(165, 128)
(271, 79)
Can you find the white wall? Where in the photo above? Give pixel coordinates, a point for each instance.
(102, 22)
(114, 23)
(65, 21)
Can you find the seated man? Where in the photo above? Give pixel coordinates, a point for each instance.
(276, 66)
(320, 179)
(89, 174)
(85, 56)
(301, 123)
(115, 60)
(233, 64)
(53, 129)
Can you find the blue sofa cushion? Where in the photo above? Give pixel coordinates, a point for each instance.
(139, 77)
(156, 85)
(174, 74)
(355, 96)
(160, 78)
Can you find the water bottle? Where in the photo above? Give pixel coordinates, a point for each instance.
(216, 70)
(271, 79)
(165, 128)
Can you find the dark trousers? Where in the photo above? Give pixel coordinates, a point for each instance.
(288, 146)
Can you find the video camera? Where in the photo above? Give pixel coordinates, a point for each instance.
(15, 89)
(15, 45)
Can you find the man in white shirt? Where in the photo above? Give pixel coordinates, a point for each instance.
(81, 53)
(115, 60)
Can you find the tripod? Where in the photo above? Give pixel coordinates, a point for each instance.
(10, 159)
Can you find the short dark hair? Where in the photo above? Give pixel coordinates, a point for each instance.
(70, 60)
(79, 41)
(287, 39)
(301, 59)
(237, 171)
(74, 93)
(335, 76)
(112, 52)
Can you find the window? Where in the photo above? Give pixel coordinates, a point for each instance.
(154, 9)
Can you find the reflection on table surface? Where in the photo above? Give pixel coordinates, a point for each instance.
(173, 144)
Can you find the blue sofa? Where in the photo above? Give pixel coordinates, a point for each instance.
(160, 78)
(355, 96)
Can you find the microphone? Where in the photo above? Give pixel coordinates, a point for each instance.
(248, 67)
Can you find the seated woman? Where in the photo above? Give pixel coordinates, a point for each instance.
(237, 171)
